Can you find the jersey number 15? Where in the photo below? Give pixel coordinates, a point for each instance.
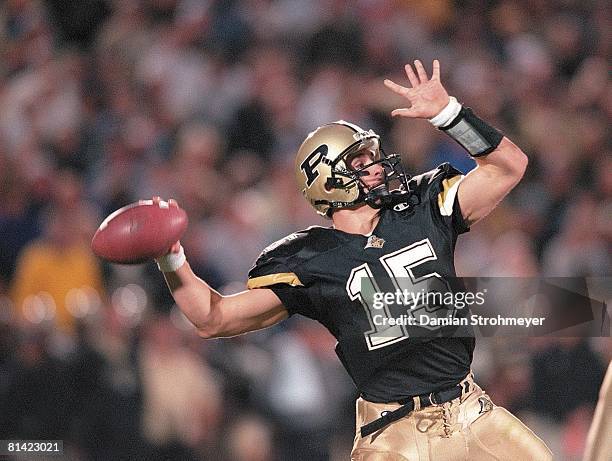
(362, 286)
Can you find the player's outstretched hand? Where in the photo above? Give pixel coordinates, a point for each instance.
(427, 96)
(176, 246)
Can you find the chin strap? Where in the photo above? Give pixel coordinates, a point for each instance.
(378, 197)
(391, 198)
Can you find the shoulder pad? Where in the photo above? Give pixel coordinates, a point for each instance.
(443, 171)
(281, 261)
(298, 247)
(438, 186)
(290, 244)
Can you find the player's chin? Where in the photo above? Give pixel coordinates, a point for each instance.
(368, 187)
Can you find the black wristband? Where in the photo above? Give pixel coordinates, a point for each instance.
(474, 134)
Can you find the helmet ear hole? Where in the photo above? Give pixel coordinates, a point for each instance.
(332, 183)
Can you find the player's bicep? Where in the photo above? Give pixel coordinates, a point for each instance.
(485, 186)
(480, 192)
(246, 311)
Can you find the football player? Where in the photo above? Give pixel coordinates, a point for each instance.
(418, 400)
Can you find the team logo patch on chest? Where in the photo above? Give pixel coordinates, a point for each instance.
(374, 242)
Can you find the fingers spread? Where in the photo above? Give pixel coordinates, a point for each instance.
(414, 81)
(420, 71)
(395, 87)
(436, 70)
(403, 112)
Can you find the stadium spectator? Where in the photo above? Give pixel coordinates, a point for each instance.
(59, 261)
(181, 396)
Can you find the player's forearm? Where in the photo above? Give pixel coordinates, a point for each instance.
(215, 315)
(195, 298)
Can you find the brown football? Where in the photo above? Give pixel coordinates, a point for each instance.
(139, 232)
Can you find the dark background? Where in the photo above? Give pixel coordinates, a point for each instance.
(105, 102)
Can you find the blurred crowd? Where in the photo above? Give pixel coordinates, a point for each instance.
(104, 102)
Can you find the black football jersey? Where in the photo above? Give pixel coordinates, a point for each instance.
(332, 276)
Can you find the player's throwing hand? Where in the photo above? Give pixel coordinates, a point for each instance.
(176, 246)
(427, 96)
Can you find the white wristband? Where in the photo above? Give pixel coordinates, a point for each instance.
(171, 261)
(447, 114)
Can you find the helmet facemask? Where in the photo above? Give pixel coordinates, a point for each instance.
(394, 177)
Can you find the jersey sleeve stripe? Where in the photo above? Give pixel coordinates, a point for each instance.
(272, 279)
(446, 197)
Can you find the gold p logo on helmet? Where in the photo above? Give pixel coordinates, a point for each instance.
(310, 163)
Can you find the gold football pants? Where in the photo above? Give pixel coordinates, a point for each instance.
(470, 428)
